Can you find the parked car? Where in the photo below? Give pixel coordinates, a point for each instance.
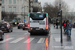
(25, 26)
(20, 25)
(5, 26)
(1, 35)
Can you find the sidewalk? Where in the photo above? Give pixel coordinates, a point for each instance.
(55, 40)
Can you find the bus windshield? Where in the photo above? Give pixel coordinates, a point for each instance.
(38, 16)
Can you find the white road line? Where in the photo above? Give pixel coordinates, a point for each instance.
(57, 39)
(29, 40)
(26, 33)
(6, 40)
(17, 40)
(41, 40)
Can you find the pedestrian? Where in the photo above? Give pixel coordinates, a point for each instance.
(64, 27)
(54, 24)
(69, 28)
(57, 22)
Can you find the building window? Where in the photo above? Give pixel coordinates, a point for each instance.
(22, 1)
(22, 9)
(10, 9)
(14, 1)
(3, 8)
(14, 9)
(2, 1)
(36, 0)
(10, 1)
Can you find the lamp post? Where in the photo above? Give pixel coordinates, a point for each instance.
(61, 40)
(0, 8)
(24, 13)
(31, 4)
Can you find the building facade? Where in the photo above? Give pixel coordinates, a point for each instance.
(19, 7)
(36, 0)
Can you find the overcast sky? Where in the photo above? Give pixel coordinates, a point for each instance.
(71, 3)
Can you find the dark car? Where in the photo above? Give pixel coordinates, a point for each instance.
(1, 35)
(20, 25)
(25, 26)
(5, 26)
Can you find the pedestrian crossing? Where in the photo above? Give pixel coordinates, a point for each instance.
(41, 40)
(23, 40)
(6, 40)
(29, 40)
(17, 40)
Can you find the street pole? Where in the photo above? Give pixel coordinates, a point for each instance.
(0, 9)
(31, 3)
(61, 40)
(24, 14)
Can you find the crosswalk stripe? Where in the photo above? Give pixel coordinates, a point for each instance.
(41, 40)
(6, 40)
(29, 40)
(57, 39)
(17, 40)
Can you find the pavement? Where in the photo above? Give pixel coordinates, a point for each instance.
(55, 44)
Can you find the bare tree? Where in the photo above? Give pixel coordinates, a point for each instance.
(64, 5)
(37, 9)
(4, 14)
(50, 9)
(9, 16)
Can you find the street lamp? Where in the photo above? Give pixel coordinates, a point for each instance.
(0, 8)
(24, 13)
(31, 5)
(61, 40)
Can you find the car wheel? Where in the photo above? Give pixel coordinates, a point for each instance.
(11, 30)
(8, 31)
(23, 28)
(18, 28)
(2, 37)
(31, 33)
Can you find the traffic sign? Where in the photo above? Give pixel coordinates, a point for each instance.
(14, 20)
(24, 20)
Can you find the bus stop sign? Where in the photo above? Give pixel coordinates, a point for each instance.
(24, 20)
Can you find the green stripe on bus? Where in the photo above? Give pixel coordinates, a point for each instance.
(47, 14)
(29, 14)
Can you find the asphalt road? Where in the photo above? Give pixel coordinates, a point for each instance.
(22, 40)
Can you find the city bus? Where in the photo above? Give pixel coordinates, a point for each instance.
(38, 23)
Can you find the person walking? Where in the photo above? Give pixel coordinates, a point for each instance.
(69, 28)
(57, 22)
(54, 24)
(64, 27)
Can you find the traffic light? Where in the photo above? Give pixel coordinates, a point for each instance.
(59, 13)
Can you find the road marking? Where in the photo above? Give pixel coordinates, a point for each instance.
(57, 39)
(6, 40)
(41, 40)
(29, 40)
(17, 40)
(26, 33)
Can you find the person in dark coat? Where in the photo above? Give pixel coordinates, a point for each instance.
(57, 23)
(69, 28)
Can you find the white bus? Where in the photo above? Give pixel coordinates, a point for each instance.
(38, 23)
